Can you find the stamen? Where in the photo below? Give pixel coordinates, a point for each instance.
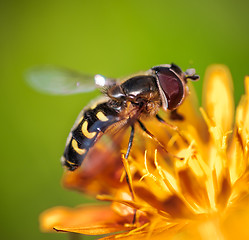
(206, 119)
(247, 146)
(172, 140)
(166, 176)
(147, 174)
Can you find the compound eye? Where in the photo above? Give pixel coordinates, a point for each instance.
(172, 87)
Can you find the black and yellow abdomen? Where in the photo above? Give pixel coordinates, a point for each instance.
(87, 128)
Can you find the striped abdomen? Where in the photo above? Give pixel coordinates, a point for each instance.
(88, 126)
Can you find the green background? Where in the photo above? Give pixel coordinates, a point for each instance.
(114, 38)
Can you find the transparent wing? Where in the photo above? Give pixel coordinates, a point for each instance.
(61, 81)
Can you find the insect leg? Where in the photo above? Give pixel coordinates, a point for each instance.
(159, 119)
(166, 123)
(174, 115)
(126, 157)
(151, 135)
(130, 142)
(126, 173)
(155, 139)
(174, 127)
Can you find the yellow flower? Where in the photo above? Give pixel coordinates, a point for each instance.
(191, 182)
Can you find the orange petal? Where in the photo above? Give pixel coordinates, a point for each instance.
(190, 110)
(243, 118)
(101, 219)
(158, 232)
(193, 188)
(218, 96)
(239, 147)
(172, 205)
(95, 230)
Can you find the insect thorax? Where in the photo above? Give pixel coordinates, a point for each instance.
(141, 91)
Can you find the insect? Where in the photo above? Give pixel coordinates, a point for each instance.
(124, 103)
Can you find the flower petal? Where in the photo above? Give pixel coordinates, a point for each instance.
(193, 189)
(173, 205)
(192, 117)
(86, 220)
(218, 96)
(238, 152)
(242, 117)
(95, 230)
(161, 230)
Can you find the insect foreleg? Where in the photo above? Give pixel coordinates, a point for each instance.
(155, 139)
(174, 127)
(151, 135)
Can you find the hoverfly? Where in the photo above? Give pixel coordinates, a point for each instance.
(124, 104)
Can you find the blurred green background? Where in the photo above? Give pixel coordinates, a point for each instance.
(114, 38)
